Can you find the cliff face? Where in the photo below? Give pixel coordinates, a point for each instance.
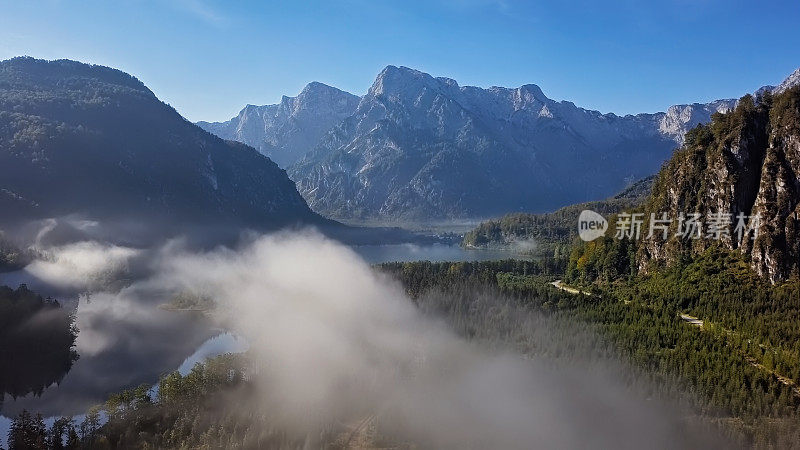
(419, 148)
(776, 251)
(743, 168)
(286, 131)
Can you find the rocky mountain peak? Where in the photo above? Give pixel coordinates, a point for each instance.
(679, 119)
(529, 94)
(449, 82)
(532, 91)
(288, 130)
(401, 80)
(316, 87)
(250, 110)
(319, 99)
(316, 91)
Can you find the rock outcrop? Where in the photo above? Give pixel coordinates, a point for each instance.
(744, 169)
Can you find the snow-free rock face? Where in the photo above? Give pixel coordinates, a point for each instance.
(679, 119)
(419, 147)
(790, 82)
(747, 163)
(776, 250)
(286, 131)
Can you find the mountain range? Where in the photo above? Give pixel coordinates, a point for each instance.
(94, 141)
(416, 147)
(82, 139)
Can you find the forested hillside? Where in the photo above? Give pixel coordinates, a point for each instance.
(550, 234)
(715, 306)
(90, 140)
(738, 372)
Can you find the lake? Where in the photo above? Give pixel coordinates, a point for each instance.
(125, 341)
(375, 254)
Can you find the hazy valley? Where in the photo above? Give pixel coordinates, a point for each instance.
(418, 264)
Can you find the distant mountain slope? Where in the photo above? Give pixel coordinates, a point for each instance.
(745, 162)
(286, 131)
(543, 233)
(76, 138)
(679, 119)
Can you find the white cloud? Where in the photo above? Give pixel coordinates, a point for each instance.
(201, 10)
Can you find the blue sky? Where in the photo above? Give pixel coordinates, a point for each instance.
(209, 58)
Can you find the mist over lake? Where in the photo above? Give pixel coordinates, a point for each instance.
(439, 224)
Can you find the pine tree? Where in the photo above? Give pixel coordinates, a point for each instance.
(73, 440)
(55, 438)
(27, 432)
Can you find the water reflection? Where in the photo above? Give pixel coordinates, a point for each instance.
(222, 343)
(36, 340)
(124, 340)
(218, 345)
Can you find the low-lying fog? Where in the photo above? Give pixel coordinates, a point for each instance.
(335, 341)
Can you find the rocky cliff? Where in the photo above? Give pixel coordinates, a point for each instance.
(743, 168)
(419, 147)
(286, 131)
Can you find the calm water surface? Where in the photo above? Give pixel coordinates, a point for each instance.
(375, 254)
(125, 341)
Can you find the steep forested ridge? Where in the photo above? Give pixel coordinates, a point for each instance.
(76, 138)
(743, 164)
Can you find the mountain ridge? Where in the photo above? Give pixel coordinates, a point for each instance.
(83, 139)
(394, 156)
(502, 137)
(285, 130)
